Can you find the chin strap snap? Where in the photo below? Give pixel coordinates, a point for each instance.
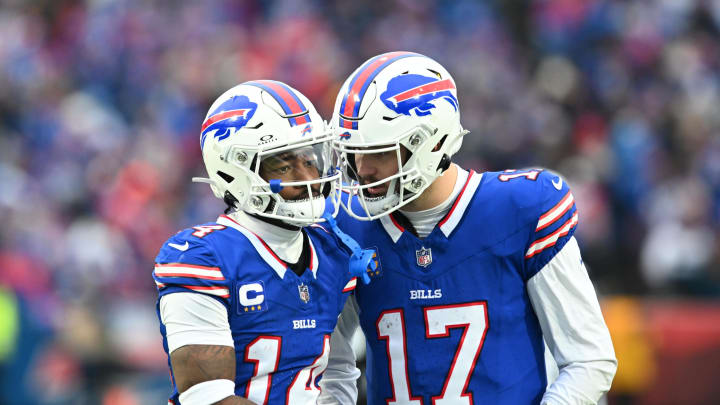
(361, 260)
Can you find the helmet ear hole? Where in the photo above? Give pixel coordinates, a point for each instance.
(253, 163)
(228, 178)
(440, 144)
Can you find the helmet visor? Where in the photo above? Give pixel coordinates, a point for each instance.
(296, 165)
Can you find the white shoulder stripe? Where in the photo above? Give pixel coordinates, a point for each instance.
(554, 213)
(350, 285)
(550, 240)
(219, 291)
(222, 292)
(180, 270)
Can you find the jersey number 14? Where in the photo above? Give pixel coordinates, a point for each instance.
(265, 353)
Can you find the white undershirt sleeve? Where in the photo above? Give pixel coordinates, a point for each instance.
(339, 381)
(567, 307)
(194, 319)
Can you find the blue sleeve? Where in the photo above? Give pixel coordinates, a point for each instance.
(190, 263)
(553, 222)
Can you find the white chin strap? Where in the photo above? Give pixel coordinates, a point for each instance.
(380, 205)
(377, 206)
(302, 213)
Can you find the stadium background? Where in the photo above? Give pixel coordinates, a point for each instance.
(101, 102)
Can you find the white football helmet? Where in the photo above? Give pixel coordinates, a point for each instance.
(394, 100)
(262, 125)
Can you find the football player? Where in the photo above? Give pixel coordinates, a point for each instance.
(247, 303)
(475, 271)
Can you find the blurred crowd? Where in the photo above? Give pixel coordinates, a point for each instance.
(101, 102)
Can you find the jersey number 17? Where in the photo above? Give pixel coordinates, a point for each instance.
(472, 317)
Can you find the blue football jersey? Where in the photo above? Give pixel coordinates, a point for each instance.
(447, 318)
(280, 322)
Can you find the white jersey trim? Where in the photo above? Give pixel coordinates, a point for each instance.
(448, 225)
(314, 259)
(426, 221)
(452, 219)
(550, 240)
(393, 229)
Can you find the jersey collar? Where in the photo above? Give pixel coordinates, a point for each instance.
(451, 220)
(264, 250)
(392, 227)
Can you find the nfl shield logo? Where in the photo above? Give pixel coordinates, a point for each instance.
(424, 257)
(304, 293)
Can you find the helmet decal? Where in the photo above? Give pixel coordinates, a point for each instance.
(290, 103)
(352, 100)
(415, 93)
(230, 116)
(394, 102)
(306, 130)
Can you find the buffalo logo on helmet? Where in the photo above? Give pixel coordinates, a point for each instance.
(416, 93)
(227, 118)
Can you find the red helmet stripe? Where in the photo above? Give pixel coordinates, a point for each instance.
(431, 87)
(288, 100)
(356, 90)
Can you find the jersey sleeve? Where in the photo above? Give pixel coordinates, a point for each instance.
(188, 263)
(573, 327)
(552, 223)
(339, 381)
